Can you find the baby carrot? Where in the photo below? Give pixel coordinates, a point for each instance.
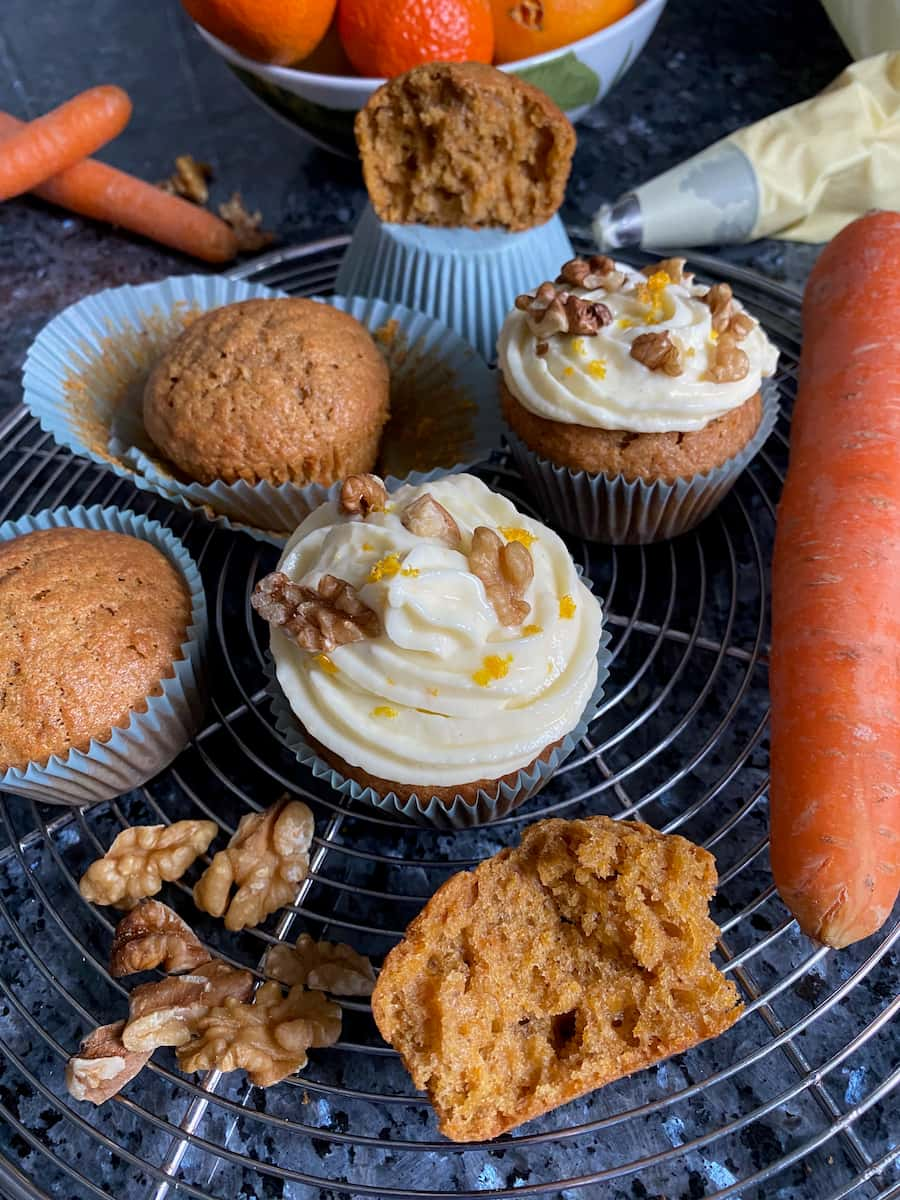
(102, 193)
(61, 138)
(835, 666)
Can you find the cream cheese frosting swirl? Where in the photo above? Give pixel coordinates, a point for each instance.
(445, 694)
(594, 381)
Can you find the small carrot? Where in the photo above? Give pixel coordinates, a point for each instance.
(835, 663)
(61, 138)
(103, 193)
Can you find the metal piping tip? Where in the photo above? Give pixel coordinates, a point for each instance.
(619, 224)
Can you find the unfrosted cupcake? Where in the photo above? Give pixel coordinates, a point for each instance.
(433, 645)
(634, 396)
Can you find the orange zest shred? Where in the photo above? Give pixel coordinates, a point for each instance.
(513, 533)
(493, 667)
(385, 710)
(597, 368)
(388, 567)
(567, 607)
(532, 630)
(323, 661)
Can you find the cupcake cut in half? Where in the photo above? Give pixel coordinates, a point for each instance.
(91, 621)
(632, 375)
(577, 957)
(433, 642)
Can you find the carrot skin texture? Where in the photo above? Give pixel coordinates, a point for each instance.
(835, 664)
(61, 138)
(104, 193)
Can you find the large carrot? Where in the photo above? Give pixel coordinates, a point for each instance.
(61, 138)
(104, 194)
(835, 662)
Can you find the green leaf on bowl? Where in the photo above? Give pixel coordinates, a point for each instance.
(331, 127)
(565, 79)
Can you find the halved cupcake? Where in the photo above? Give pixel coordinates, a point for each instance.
(634, 397)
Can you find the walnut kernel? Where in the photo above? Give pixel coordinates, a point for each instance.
(189, 179)
(719, 301)
(658, 352)
(247, 226)
(164, 1013)
(153, 935)
(317, 620)
(268, 1038)
(740, 325)
(141, 858)
(728, 362)
(550, 311)
(363, 494)
(323, 966)
(598, 271)
(266, 859)
(427, 518)
(673, 267)
(102, 1066)
(506, 570)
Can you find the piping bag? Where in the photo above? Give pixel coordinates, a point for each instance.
(800, 174)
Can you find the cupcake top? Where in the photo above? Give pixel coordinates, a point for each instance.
(283, 390)
(436, 637)
(90, 622)
(646, 351)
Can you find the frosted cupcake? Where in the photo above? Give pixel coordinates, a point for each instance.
(435, 645)
(634, 397)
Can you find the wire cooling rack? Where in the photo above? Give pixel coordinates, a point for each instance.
(794, 1101)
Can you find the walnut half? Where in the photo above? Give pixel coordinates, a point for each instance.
(165, 1012)
(268, 1038)
(598, 271)
(267, 859)
(427, 518)
(506, 570)
(102, 1065)
(719, 301)
(153, 935)
(658, 352)
(317, 620)
(550, 311)
(728, 362)
(363, 494)
(324, 966)
(141, 858)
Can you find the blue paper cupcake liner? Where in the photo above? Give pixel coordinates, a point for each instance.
(85, 371)
(612, 509)
(466, 278)
(133, 753)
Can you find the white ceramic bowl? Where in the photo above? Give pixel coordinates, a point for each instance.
(322, 106)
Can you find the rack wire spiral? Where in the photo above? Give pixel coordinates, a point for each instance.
(795, 1100)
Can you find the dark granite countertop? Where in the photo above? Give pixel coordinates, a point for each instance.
(708, 69)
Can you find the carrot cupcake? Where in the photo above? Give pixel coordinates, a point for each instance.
(634, 397)
(438, 649)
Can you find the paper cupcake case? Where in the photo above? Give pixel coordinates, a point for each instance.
(618, 511)
(84, 377)
(133, 753)
(466, 278)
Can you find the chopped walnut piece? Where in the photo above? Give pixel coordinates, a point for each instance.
(102, 1066)
(740, 325)
(550, 311)
(246, 226)
(598, 271)
(268, 1038)
(141, 858)
(189, 179)
(164, 1013)
(266, 859)
(153, 935)
(718, 299)
(317, 620)
(728, 362)
(427, 518)
(658, 352)
(324, 966)
(363, 494)
(673, 267)
(505, 569)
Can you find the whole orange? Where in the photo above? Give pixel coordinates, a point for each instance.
(272, 31)
(526, 27)
(387, 37)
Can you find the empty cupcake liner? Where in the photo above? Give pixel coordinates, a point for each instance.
(615, 510)
(466, 278)
(85, 372)
(133, 753)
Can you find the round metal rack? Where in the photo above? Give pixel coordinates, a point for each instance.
(794, 1101)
